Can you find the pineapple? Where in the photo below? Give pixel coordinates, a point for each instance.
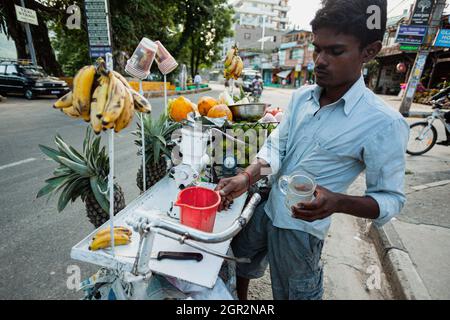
(157, 137)
(83, 175)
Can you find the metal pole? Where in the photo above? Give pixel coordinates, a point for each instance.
(29, 39)
(110, 66)
(165, 94)
(111, 185)
(144, 184)
(421, 58)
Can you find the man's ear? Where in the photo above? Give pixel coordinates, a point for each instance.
(371, 51)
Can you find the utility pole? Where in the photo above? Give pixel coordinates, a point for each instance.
(29, 38)
(422, 56)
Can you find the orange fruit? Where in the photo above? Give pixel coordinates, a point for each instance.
(220, 111)
(180, 108)
(205, 104)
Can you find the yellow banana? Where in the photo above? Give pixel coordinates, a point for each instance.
(96, 123)
(127, 113)
(117, 229)
(141, 104)
(238, 71)
(232, 68)
(115, 101)
(71, 112)
(122, 79)
(104, 241)
(64, 102)
(102, 95)
(229, 58)
(82, 90)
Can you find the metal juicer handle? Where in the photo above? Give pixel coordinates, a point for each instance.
(200, 236)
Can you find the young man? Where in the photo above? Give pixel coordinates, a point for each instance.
(333, 131)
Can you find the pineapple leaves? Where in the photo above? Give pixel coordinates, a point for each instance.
(63, 147)
(51, 153)
(99, 194)
(79, 174)
(66, 194)
(81, 169)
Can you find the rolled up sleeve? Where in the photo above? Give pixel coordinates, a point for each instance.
(384, 158)
(274, 149)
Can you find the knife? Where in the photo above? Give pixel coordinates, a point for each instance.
(160, 255)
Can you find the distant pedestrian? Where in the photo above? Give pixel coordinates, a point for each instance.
(197, 80)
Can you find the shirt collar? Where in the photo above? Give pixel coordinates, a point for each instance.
(350, 98)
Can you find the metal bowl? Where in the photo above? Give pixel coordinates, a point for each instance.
(251, 112)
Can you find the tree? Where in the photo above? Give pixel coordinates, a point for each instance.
(9, 25)
(205, 24)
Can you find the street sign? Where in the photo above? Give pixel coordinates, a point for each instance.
(411, 34)
(443, 38)
(409, 48)
(26, 15)
(422, 12)
(98, 27)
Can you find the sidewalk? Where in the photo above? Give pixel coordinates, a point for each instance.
(414, 248)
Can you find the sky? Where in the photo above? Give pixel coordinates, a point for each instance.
(302, 11)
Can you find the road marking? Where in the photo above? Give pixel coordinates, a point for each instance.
(17, 163)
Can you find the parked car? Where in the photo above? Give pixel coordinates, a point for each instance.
(29, 80)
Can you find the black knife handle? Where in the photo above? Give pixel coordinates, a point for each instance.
(180, 255)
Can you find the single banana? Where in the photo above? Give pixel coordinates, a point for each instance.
(102, 95)
(234, 65)
(117, 229)
(141, 104)
(229, 58)
(64, 102)
(96, 123)
(82, 90)
(127, 113)
(71, 112)
(104, 241)
(122, 79)
(238, 71)
(115, 102)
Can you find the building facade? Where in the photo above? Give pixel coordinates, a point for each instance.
(295, 59)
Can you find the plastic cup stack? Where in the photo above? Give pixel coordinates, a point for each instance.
(166, 63)
(142, 59)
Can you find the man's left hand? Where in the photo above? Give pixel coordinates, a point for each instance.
(324, 205)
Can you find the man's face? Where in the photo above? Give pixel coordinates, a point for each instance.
(338, 58)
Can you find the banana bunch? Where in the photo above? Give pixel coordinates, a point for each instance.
(233, 64)
(102, 97)
(102, 239)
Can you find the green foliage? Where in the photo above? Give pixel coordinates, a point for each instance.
(158, 135)
(78, 174)
(191, 30)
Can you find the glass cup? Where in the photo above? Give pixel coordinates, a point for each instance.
(297, 188)
(142, 59)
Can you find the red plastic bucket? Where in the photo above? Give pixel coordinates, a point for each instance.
(198, 207)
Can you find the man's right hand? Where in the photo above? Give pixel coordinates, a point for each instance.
(231, 188)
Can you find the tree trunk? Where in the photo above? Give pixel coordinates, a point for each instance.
(15, 29)
(192, 57)
(44, 52)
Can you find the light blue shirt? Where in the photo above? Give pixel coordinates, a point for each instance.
(335, 144)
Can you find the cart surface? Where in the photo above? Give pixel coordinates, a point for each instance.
(154, 201)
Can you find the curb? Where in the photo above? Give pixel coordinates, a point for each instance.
(160, 94)
(406, 283)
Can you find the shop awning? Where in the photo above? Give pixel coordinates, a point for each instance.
(284, 74)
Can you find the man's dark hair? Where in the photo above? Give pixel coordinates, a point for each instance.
(350, 17)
